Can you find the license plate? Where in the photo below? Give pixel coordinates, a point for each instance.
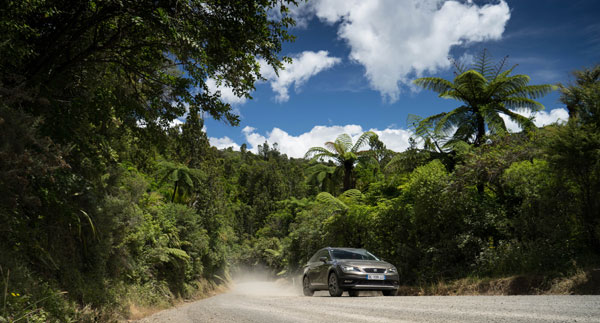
(376, 277)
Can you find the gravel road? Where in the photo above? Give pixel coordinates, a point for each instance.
(268, 302)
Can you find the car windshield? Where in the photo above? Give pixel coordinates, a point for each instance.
(352, 254)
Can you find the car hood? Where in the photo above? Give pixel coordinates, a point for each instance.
(365, 263)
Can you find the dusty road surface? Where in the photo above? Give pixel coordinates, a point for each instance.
(270, 303)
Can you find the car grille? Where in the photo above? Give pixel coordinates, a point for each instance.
(374, 270)
(376, 282)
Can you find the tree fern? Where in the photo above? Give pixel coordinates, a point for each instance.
(486, 90)
(184, 178)
(345, 154)
(331, 201)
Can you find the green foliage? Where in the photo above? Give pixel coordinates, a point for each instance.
(486, 90)
(306, 235)
(583, 98)
(102, 202)
(88, 93)
(27, 298)
(325, 177)
(345, 154)
(49, 43)
(184, 179)
(574, 156)
(408, 160)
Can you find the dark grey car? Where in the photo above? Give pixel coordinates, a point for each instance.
(348, 269)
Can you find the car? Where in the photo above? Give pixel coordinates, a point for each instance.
(348, 269)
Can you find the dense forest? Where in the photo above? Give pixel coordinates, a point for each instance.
(104, 202)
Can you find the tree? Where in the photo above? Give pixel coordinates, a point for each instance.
(184, 178)
(344, 153)
(55, 49)
(380, 152)
(325, 176)
(486, 91)
(583, 98)
(96, 70)
(574, 149)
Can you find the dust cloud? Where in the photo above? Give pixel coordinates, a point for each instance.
(262, 282)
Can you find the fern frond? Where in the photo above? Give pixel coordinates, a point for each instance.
(413, 120)
(499, 66)
(534, 91)
(177, 253)
(496, 124)
(452, 119)
(523, 103)
(351, 196)
(483, 66)
(318, 152)
(435, 84)
(363, 139)
(523, 122)
(331, 201)
(344, 143)
(332, 146)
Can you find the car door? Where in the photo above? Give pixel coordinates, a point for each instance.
(323, 267)
(312, 270)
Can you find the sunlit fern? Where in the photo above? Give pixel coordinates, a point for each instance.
(486, 90)
(345, 154)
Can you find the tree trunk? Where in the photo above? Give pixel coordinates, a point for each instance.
(348, 175)
(174, 192)
(480, 130)
(478, 142)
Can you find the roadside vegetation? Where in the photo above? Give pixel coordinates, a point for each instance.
(106, 207)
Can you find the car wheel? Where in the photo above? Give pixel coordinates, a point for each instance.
(389, 292)
(334, 286)
(306, 287)
(353, 293)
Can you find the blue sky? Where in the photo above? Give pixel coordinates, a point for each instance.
(354, 61)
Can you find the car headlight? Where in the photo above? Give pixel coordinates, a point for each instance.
(392, 270)
(350, 269)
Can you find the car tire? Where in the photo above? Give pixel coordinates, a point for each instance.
(306, 287)
(353, 293)
(334, 285)
(389, 292)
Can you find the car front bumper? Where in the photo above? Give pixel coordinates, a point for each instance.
(360, 282)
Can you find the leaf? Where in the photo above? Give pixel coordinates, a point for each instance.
(330, 200)
(177, 254)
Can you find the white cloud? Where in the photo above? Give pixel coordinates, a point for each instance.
(544, 118)
(541, 118)
(297, 146)
(227, 94)
(394, 138)
(397, 39)
(175, 123)
(300, 13)
(222, 143)
(304, 66)
(141, 123)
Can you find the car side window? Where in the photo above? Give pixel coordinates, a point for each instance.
(318, 255)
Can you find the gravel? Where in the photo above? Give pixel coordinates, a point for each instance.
(267, 302)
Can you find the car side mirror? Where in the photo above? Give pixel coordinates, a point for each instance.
(323, 259)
